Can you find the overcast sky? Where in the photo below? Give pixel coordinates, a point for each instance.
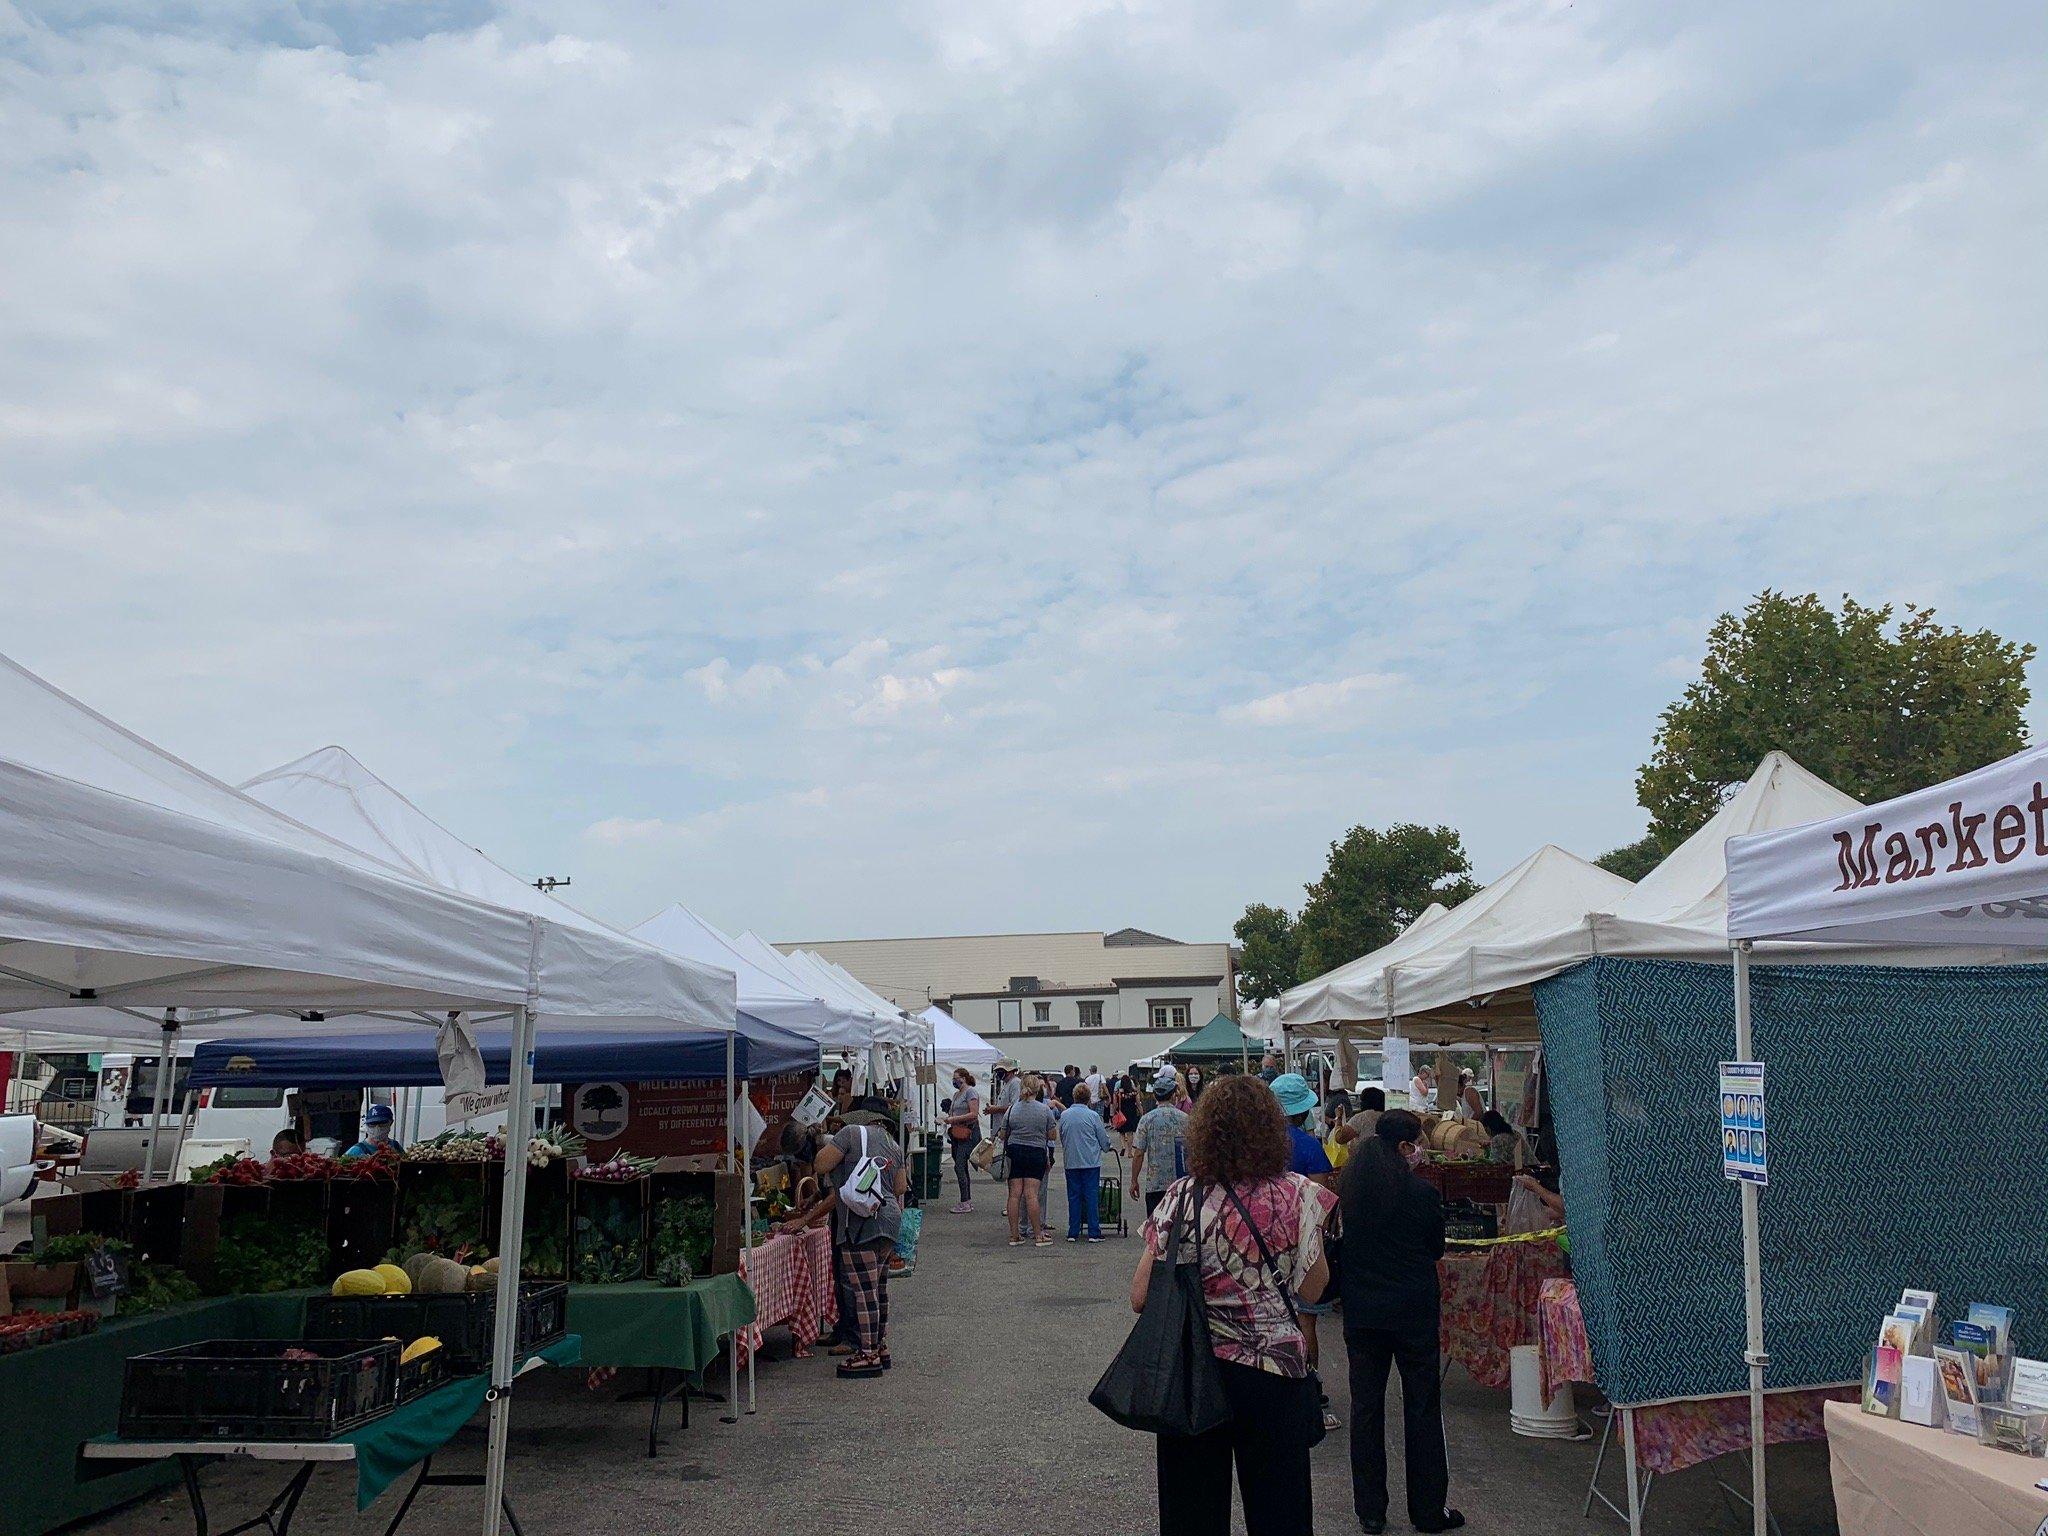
(874, 468)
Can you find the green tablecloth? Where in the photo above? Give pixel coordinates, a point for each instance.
(55, 1397)
(642, 1323)
(406, 1436)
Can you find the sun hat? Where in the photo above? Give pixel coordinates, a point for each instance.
(1164, 1086)
(1294, 1094)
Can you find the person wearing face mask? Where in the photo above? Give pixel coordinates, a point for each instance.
(963, 1132)
(1393, 1237)
(376, 1132)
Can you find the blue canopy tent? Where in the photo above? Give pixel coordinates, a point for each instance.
(407, 1058)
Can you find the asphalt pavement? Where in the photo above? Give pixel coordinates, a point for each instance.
(982, 1429)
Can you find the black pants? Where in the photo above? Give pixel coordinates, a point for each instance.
(1266, 1438)
(1413, 1350)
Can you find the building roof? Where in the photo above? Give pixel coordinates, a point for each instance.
(1132, 938)
(915, 972)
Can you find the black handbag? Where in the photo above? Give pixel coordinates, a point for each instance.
(1164, 1380)
(1311, 1384)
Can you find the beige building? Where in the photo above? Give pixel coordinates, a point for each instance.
(1091, 998)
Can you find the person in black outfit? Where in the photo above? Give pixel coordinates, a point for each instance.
(1393, 1236)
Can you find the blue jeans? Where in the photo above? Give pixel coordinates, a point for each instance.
(1084, 1195)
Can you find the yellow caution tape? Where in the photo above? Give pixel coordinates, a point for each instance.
(1493, 1242)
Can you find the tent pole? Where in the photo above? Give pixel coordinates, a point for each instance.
(166, 1059)
(747, 1232)
(1752, 1273)
(505, 1360)
(732, 1340)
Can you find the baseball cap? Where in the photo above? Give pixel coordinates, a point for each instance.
(377, 1114)
(1164, 1084)
(1294, 1094)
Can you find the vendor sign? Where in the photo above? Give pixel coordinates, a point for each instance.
(672, 1118)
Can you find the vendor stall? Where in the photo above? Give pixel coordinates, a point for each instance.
(1894, 1479)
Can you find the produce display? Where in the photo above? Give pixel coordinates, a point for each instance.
(260, 1254)
(25, 1330)
(443, 1209)
(682, 1239)
(151, 1287)
(607, 1236)
(430, 1274)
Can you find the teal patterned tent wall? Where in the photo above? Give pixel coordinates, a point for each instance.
(1909, 1147)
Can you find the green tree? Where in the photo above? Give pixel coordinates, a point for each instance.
(1269, 959)
(1634, 860)
(1376, 883)
(1873, 707)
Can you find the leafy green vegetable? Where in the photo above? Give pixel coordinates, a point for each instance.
(608, 1245)
(258, 1254)
(443, 1212)
(152, 1287)
(682, 1229)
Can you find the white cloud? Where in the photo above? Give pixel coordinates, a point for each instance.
(1324, 705)
(912, 467)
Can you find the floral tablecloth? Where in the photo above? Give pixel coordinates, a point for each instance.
(1489, 1303)
(791, 1278)
(1673, 1436)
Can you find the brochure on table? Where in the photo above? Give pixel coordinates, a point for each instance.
(1963, 1377)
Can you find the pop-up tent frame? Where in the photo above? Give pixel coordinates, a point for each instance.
(1960, 865)
(132, 884)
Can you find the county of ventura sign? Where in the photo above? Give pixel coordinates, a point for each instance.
(1964, 862)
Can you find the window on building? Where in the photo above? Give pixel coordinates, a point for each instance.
(1091, 1014)
(1041, 1013)
(1169, 1013)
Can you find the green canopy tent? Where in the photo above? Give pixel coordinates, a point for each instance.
(1217, 1041)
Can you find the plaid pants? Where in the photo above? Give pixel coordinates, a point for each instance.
(867, 1292)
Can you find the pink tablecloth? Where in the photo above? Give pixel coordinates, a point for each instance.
(791, 1278)
(1489, 1303)
(1673, 1436)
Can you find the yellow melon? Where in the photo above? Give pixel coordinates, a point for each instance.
(359, 1282)
(396, 1281)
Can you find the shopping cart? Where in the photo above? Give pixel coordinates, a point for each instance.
(1111, 1198)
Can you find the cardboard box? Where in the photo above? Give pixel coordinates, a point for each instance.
(45, 1282)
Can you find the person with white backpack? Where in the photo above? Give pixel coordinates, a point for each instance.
(864, 1170)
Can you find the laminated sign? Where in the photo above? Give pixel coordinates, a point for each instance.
(1742, 1122)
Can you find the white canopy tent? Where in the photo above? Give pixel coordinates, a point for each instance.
(954, 1044)
(1958, 866)
(1464, 975)
(861, 1026)
(129, 880)
(764, 993)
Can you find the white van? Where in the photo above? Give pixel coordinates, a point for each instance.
(255, 1114)
(17, 1157)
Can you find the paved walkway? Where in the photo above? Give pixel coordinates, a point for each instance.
(982, 1429)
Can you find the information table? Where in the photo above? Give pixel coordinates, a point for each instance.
(55, 1397)
(1898, 1479)
(791, 1278)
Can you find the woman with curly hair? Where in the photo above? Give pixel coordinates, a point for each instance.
(1261, 1252)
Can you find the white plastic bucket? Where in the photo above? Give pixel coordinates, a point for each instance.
(1528, 1413)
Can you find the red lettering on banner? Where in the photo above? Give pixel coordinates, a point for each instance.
(1968, 854)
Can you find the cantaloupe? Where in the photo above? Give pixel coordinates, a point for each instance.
(414, 1265)
(396, 1281)
(358, 1282)
(441, 1277)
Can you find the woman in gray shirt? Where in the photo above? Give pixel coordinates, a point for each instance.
(1027, 1135)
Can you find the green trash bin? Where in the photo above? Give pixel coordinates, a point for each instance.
(934, 1167)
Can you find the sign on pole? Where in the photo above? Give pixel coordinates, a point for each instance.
(1743, 1154)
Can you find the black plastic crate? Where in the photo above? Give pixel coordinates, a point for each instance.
(245, 1389)
(422, 1375)
(462, 1320)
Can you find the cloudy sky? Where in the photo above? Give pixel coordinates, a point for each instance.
(880, 468)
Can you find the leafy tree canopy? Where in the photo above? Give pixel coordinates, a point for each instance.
(1873, 706)
(1269, 959)
(1376, 884)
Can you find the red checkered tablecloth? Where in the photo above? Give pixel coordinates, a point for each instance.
(791, 1278)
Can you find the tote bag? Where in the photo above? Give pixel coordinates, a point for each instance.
(1164, 1380)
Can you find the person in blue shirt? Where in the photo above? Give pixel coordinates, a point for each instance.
(1298, 1104)
(1083, 1140)
(376, 1132)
